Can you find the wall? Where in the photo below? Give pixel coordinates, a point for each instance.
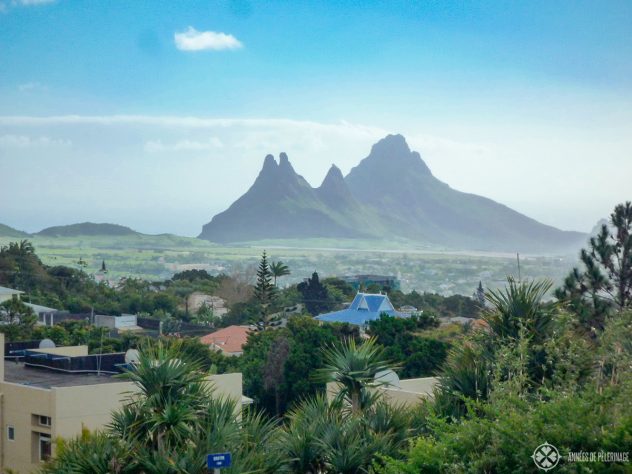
(88, 406)
(411, 391)
(68, 351)
(19, 404)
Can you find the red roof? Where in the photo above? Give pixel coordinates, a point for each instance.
(229, 340)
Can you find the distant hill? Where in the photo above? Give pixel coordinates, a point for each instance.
(6, 231)
(87, 229)
(391, 193)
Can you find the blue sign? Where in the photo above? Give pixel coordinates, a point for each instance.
(215, 461)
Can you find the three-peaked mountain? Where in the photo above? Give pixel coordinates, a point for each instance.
(390, 194)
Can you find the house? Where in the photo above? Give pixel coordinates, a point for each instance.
(364, 308)
(408, 309)
(7, 294)
(43, 313)
(55, 392)
(229, 340)
(359, 282)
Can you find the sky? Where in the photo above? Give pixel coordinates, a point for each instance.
(158, 114)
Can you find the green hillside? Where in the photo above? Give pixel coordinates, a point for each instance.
(6, 231)
(87, 228)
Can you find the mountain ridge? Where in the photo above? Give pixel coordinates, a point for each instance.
(391, 192)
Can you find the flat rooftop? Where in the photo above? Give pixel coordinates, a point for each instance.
(44, 378)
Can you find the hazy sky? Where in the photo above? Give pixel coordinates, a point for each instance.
(157, 114)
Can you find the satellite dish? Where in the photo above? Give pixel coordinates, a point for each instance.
(388, 378)
(46, 344)
(131, 357)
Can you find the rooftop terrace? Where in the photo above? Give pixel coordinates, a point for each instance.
(19, 373)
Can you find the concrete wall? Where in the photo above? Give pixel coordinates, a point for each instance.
(227, 385)
(88, 406)
(68, 351)
(410, 392)
(115, 322)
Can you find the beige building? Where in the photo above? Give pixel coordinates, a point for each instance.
(406, 392)
(38, 404)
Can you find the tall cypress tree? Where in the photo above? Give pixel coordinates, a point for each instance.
(265, 290)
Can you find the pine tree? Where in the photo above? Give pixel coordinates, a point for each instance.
(479, 296)
(605, 283)
(265, 290)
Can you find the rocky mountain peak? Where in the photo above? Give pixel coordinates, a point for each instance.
(333, 178)
(391, 145)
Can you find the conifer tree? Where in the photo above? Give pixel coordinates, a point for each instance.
(479, 296)
(605, 282)
(265, 290)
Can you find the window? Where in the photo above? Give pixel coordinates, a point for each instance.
(44, 420)
(44, 447)
(10, 433)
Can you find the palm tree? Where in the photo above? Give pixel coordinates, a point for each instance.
(170, 402)
(519, 306)
(279, 269)
(300, 437)
(169, 424)
(353, 367)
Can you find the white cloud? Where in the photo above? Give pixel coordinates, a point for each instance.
(4, 6)
(24, 141)
(157, 146)
(29, 3)
(32, 86)
(194, 40)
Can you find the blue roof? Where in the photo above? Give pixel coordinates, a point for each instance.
(365, 307)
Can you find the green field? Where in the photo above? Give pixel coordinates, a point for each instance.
(418, 267)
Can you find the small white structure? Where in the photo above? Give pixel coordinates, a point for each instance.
(125, 322)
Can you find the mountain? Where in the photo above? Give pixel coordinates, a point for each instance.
(86, 229)
(6, 231)
(398, 184)
(282, 204)
(390, 193)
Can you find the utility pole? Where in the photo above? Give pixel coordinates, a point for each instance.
(518, 258)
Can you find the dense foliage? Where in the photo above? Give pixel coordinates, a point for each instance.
(407, 345)
(530, 373)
